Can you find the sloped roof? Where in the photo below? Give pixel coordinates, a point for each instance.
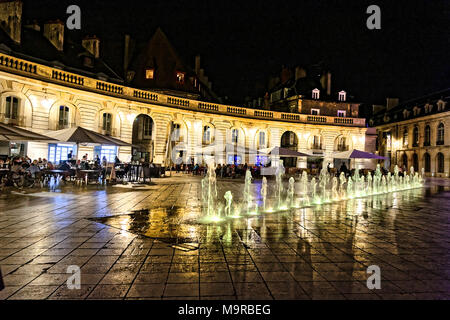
(397, 113)
(34, 46)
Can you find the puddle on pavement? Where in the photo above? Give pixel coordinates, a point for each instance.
(165, 224)
(178, 227)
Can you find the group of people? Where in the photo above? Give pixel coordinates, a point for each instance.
(222, 171)
(21, 168)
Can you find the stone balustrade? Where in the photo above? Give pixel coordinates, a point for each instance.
(15, 65)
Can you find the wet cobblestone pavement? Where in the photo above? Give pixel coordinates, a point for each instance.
(143, 243)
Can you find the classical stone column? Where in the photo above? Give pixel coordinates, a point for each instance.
(162, 122)
(220, 139)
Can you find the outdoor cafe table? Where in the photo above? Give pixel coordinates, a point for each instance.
(54, 173)
(88, 174)
(134, 172)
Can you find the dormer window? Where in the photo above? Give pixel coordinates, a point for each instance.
(316, 93)
(180, 77)
(149, 73)
(441, 105)
(342, 95)
(406, 113)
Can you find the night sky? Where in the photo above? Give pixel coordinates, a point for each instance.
(242, 43)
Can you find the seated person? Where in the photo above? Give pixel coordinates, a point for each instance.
(64, 166)
(34, 169)
(17, 171)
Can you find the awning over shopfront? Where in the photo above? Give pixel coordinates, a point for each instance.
(82, 136)
(284, 152)
(356, 154)
(214, 149)
(15, 134)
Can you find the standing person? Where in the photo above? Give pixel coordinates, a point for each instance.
(329, 168)
(69, 155)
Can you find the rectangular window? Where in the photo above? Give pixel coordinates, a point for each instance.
(262, 139)
(206, 134)
(149, 73)
(59, 152)
(63, 116)
(176, 132)
(234, 159)
(315, 112)
(107, 122)
(12, 107)
(147, 126)
(234, 136)
(109, 152)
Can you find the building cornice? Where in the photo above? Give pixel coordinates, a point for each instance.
(48, 74)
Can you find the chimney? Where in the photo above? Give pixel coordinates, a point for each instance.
(285, 74)
(328, 83)
(11, 18)
(197, 64)
(54, 32)
(299, 73)
(34, 25)
(391, 103)
(92, 45)
(126, 53)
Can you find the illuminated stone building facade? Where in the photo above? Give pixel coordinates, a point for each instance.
(416, 133)
(60, 90)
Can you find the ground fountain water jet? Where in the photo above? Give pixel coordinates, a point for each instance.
(331, 190)
(264, 192)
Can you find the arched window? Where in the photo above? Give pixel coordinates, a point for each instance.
(234, 135)
(427, 162)
(11, 107)
(427, 136)
(415, 162)
(416, 136)
(107, 122)
(206, 135)
(440, 134)
(63, 117)
(440, 162)
(405, 137)
(405, 161)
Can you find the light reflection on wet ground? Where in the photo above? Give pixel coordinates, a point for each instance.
(126, 237)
